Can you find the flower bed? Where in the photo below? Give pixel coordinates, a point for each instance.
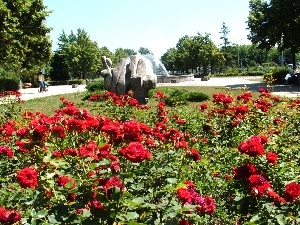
(235, 161)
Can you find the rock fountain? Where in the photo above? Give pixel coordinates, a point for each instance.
(138, 73)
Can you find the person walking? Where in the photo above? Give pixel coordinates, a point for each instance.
(41, 82)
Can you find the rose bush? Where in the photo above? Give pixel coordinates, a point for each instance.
(231, 161)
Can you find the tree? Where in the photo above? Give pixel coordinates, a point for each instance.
(226, 42)
(81, 55)
(24, 37)
(130, 51)
(144, 51)
(275, 22)
(169, 59)
(104, 51)
(59, 69)
(120, 53)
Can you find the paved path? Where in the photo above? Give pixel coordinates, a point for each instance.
(252, 83)
(30, 93)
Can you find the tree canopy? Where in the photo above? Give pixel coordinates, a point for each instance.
(24, 37)
(275, 23)
(79, 53)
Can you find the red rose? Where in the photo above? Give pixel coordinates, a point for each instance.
(7, 151)
(292, 191)
(27, 178)
(272, 158)
(184, 195)
(254, 146)
(63, 181)
(9, 216)
(258, 185)
(135, 152)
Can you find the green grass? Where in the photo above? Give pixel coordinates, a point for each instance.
(48, 105)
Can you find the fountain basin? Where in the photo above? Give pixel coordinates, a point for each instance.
(174, 78)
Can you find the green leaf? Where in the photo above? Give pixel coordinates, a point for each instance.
(41, 213)
(33, 212)
(255, 218)
(135, 223)
(86, 213)
(131, 216)
(139, 200)
(172, 180)
(52, 219)
(280, 219)
(93, 166)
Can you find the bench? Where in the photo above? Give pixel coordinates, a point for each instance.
(205, 78)
(26, 85)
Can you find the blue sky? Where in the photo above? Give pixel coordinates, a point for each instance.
(153, 24)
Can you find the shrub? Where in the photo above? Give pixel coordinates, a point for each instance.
(196, 97)
(95, 86)
(279, 74)
(176, 97)
(9, 80)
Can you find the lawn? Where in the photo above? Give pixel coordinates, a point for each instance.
(49, 104)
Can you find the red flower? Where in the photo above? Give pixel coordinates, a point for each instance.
(275, 197)
(24, 131)
(160, 95)
(190, 184)
(111, 183)
(272, 158)
(58, 131)
(27, 177)
(7, 151)
(135, 152)
(208, 206)
(258, 185)
(292, 191)
(243, 172)
(203, 106)
(184, 222)
(40, 132)
(245, 97)
(222, 98)
(57, 154)
(9, 216)
(71, 197)
(194, 154)
(63, 181)
(184, 195)
(254, 146)
(95, 204)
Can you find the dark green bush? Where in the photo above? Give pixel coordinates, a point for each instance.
(196, 96)
(66, 82)
(280, 73)
(95, 86)
(9, 80)
(176, 97)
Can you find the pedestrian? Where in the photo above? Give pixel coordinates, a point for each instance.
(292, 77)
(41, 83)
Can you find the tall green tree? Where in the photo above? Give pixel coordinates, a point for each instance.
(225, 41)
(122, 53)
(169, 59)
(275, 23)
(59, 69)
(81, 55)
(24, 37)
(144, 51)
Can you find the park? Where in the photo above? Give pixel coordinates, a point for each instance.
(197, 151)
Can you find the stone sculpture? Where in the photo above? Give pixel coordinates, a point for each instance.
(136, 75)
